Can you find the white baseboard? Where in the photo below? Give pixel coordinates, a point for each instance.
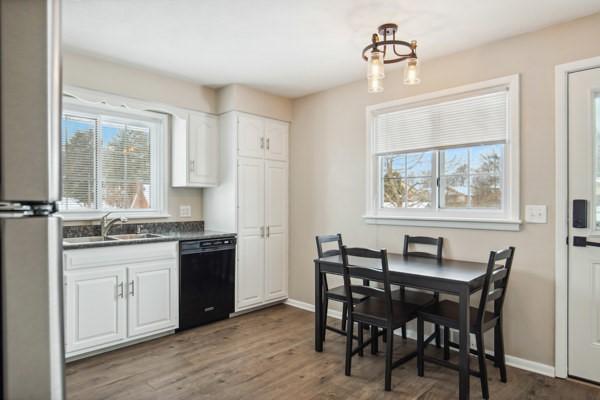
(516, 362)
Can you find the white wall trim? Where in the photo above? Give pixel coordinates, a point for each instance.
(438, 222)
(561, 254)
(516, 362)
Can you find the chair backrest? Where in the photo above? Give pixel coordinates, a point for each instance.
(437, 242)
(497, 274)
(378, 273)
(322, 239)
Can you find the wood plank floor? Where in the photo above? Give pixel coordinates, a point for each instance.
(269, 354)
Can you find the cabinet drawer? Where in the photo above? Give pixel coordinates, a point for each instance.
(118, 255)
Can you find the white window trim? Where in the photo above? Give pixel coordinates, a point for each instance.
(159, 159)
(507, 219)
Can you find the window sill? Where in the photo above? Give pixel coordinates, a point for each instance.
(437, 222)
(92, 216)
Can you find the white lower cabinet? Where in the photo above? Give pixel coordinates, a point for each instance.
(96, 314)
(153, 294)
(114, 295)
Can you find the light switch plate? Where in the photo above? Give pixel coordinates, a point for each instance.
(185, 211)
(535, 214)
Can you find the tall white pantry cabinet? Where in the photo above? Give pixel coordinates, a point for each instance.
(252, 200)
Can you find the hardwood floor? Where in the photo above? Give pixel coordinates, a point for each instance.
(269, 354)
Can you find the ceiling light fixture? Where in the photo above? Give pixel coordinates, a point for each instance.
(383, 50)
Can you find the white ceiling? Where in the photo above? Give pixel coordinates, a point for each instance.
(290, 47)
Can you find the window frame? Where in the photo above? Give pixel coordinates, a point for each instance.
(159, 146)
(507, 218)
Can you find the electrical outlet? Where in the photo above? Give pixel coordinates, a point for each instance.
(536, 214)
(185, 211)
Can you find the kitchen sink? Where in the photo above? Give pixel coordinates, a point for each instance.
(135, 236)
(87, 239)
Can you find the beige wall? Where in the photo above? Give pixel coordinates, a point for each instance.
(327, 172)
(93, 73)
(253, 101)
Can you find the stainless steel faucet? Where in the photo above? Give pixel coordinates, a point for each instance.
(106, 224)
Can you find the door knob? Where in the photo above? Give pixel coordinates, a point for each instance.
(581, 241)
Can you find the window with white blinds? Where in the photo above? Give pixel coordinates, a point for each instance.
(112, 160)
(479, 118)
(450, 155)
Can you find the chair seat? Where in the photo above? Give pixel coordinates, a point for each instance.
(339, 294)
(414, 297)
(372, 311)
(446, 313)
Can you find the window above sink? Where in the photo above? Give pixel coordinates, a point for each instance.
(113, 159)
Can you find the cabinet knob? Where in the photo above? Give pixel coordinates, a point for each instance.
(121, 291)
(262, 142)
(268, 143)
(192, 165)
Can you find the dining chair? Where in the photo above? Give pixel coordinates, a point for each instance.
(446, 313)
(337, 293)
(378, 309)
(419, 297)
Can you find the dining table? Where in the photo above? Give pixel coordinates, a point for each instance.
(455, 277)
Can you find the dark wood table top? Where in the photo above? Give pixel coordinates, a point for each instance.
(456, 271)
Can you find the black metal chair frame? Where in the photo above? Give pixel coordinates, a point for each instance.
(395, 313)
(485, 320)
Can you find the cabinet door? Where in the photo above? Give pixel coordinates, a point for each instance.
(276, 136)
(96, 308)
(276, 217)
(250, 271)
(251, 197)
(251, 136)
(203, 150)
(152, 297)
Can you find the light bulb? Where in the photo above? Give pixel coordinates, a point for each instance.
(411, 72)
(375, 65)
(375, 85)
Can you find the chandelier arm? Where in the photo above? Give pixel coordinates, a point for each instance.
(384, 43)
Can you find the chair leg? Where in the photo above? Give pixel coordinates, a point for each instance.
(324, 324)
(360, 339)
(349, 341)
(420, 347)
(499, 352)
(438, 336)
(446, 343)
(403, 331)
(384, 335)
(344, 315)
(389, 352)
(482, 367)
(374, 340)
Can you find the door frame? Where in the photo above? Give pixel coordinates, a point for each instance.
(561, 251)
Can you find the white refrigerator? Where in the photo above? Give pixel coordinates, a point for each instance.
(30, 236)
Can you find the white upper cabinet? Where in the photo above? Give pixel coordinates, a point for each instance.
(195, 150)
(276, 140)
(251, 136)
(203, 151)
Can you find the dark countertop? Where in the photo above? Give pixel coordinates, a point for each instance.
(164, 237)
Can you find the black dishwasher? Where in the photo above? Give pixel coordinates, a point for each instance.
(206, 281)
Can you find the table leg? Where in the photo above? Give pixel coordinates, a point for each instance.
(465, 343)
(318, 308)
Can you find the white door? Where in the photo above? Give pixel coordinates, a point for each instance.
(584, 260)
(251, 229)
(203, 150)
(152, 292)
(276, 217)
(96, 309)
(276, 145)
(251, 136)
